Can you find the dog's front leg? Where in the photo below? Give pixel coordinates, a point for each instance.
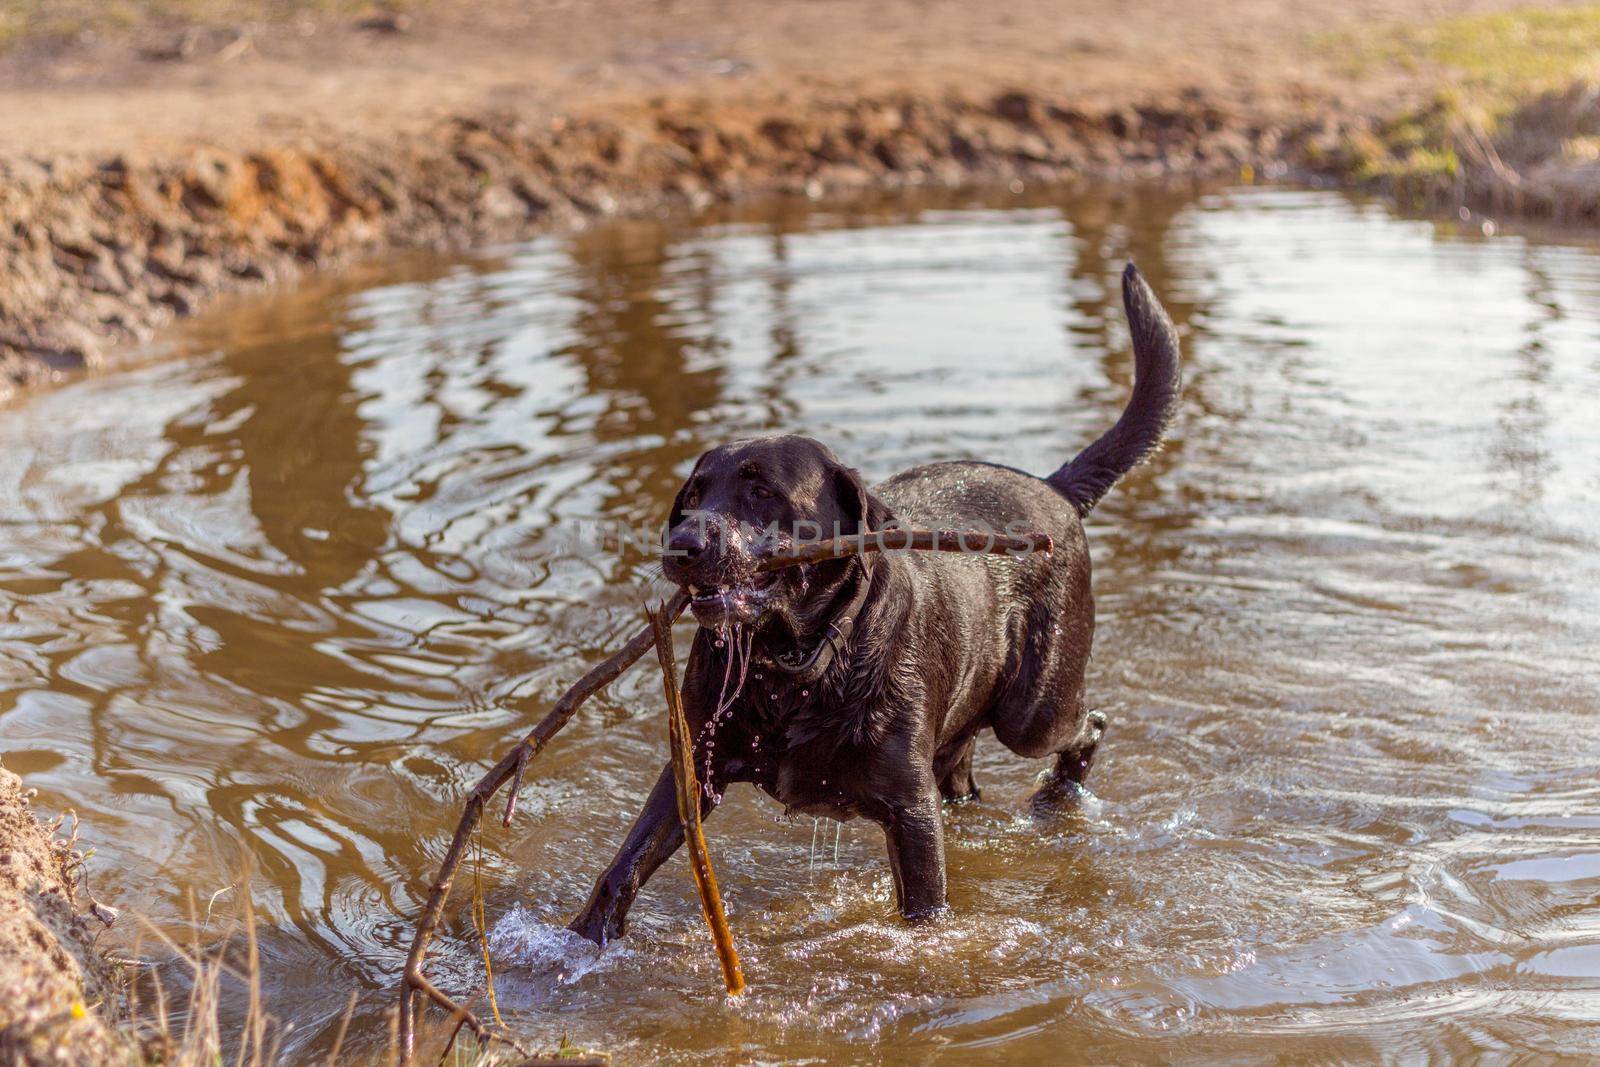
(915, 832)
(655, 836)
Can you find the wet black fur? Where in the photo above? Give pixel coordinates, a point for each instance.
(945, 645)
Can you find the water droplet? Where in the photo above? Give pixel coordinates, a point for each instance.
(720, 642)
(805, 692)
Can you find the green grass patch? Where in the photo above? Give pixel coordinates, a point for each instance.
(1487, 67)
(1515, 53)
(25, 20)
(1494, 60)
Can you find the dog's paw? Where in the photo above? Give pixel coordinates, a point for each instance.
(924, 915)
(597, 926)
(1059, 795)
(967, 795)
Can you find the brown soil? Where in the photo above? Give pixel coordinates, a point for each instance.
(51, 979)
(145, 171)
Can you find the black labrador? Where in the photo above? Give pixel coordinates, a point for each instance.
(857, 686)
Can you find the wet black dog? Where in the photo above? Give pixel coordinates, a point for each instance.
(870, 677)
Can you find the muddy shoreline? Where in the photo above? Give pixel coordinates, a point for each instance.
(148, 166)
(100, 253)
(54, 985)
(154, 163)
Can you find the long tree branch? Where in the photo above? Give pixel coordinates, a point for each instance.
(512, 764)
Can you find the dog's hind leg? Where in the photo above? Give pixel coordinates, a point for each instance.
(1065, 782)
(1043, 714)
(955, 775)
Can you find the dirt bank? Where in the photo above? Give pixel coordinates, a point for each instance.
(52, 982)
(221, 145)
(101, 251)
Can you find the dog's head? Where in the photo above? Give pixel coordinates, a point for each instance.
(746, 500)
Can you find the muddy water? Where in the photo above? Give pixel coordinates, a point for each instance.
(292, 595)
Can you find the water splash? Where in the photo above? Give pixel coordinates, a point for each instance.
(523, 940)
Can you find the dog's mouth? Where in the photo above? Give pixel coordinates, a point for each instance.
(719, 606)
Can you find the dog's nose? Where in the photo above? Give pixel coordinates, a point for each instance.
(687, 542)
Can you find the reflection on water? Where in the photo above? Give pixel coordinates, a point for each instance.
(292, 596)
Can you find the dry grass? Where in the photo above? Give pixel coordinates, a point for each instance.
(188, 1032)
(221, 958)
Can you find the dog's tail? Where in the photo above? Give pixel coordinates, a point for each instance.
(1156, 383)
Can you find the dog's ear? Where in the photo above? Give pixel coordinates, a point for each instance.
(862, 511)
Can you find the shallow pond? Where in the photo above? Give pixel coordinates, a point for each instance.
(293, 594)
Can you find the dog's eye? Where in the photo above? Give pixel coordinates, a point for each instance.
(691, 500)
(761, 492)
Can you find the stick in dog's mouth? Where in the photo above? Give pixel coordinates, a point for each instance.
(970, 542)
(719, 605)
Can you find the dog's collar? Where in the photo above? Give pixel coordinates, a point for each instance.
(809, 666)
